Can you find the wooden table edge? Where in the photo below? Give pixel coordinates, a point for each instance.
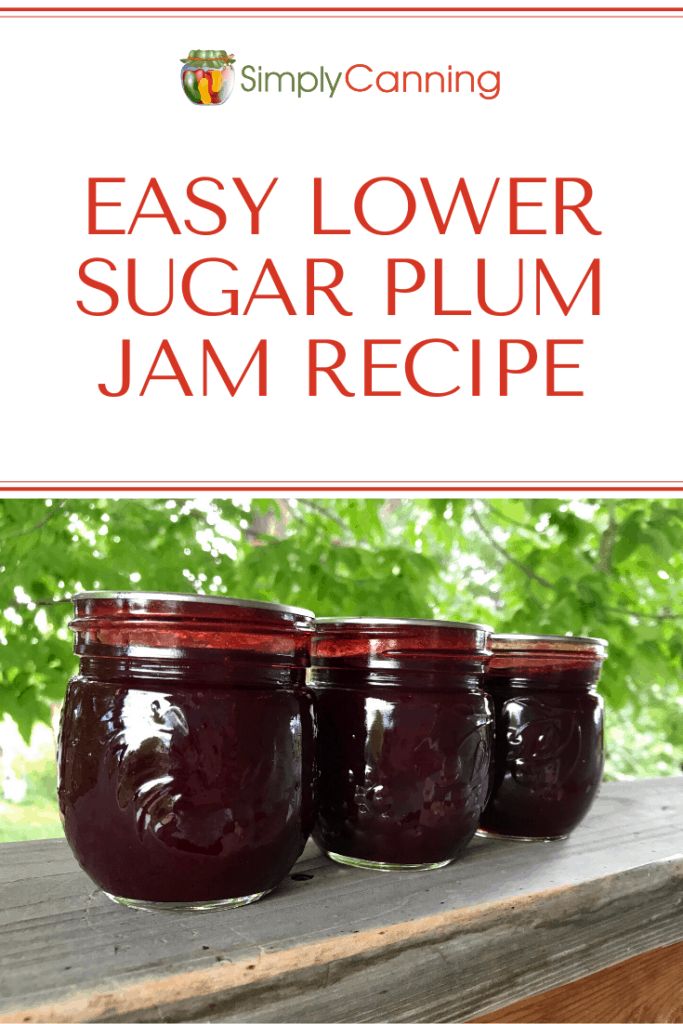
(139, 995)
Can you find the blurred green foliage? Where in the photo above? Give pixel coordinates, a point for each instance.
(611, 568)
(36, 815)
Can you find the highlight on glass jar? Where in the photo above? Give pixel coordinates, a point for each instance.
(404, 740)
(548, 755)
(207, 76)
(186, 747)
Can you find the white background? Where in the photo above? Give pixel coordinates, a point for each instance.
(598, 99)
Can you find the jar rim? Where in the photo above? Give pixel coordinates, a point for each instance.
(152, 595)
(332, 621)
(556, 639)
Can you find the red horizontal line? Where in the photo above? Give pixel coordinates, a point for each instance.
(337, 483)
(363, 17)
(256, 15)
(297, 489)
(348, 10)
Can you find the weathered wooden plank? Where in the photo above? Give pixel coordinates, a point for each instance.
(507, 921)
(642, 990)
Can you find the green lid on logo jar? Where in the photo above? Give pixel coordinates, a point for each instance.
(210, 58)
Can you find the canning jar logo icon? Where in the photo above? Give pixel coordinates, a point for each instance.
(207, 76)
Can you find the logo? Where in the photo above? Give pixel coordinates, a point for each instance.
(207, 76)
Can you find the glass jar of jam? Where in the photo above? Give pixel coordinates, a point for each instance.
(186, 747)
(548, 756)
(404, 740)
(207, 76)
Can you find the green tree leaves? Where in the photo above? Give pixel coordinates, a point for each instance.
(607, 567)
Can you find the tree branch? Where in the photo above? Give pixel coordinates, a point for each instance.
(529, 573)
(508, 519)
(322, 511)
(607, 542)
(52, 512)
(653, 616)
(664, 616)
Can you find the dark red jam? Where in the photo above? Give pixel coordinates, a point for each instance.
(404, 741)
(548, 757)
(186, 746)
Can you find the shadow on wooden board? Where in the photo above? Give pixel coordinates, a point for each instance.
(647, 989)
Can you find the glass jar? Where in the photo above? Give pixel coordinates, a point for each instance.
(548, 756)
(207, 76)
(186, 747)
(404, 740)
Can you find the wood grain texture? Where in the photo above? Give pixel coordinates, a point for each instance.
(646, 989)
(505, 922)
